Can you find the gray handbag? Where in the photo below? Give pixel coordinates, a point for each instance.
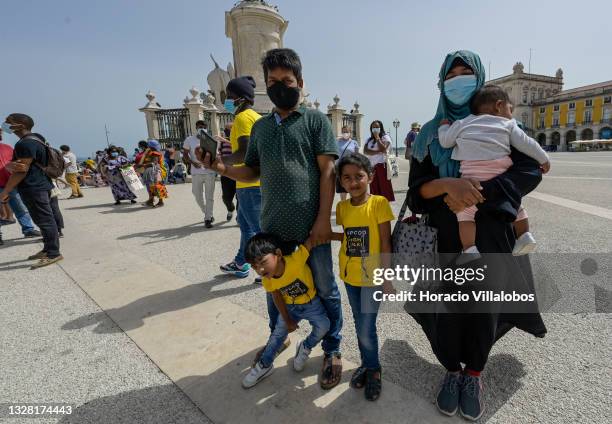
(414, 240)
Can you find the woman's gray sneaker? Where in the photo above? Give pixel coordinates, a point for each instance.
(471, 405)
(447, 400)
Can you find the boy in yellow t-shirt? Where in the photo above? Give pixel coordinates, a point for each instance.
(366, 245)
(289, 279)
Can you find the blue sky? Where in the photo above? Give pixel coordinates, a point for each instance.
(76, 65)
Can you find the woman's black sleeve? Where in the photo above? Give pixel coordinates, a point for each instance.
(503, 193)
(421, 173)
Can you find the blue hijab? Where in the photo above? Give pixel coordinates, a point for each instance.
(427, 140)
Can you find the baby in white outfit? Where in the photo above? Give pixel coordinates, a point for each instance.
(482, 144)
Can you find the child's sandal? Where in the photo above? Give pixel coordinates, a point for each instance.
(373, 384)
(358, 379)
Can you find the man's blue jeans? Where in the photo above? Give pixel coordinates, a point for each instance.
(365, 311)
(249, 209)
(321, 265)
(313, 312)
(20, 211)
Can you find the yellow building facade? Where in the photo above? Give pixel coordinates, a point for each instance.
(582, 113)
(554, 116)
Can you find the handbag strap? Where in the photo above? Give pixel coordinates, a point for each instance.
(403, 210)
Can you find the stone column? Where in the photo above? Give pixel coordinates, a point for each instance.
(358, 118)
(254, 28)
(196, 109)
(336, 112)
(149, 110)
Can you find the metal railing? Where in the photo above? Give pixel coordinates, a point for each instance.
(174, 126)
(224, 119)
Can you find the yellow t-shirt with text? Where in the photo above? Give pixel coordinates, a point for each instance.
(360, 250)
(243, 123)
(296, 284)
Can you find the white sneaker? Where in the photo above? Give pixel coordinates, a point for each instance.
(468, 255)
(256, 374)
(301, 356)
(524, 245)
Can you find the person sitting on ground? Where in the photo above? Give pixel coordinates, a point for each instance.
(482, 141)
(290, 281)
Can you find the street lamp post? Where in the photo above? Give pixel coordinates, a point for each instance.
(396, 124)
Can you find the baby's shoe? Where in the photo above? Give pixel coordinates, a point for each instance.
(524, 245)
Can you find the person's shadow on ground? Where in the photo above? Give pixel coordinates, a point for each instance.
(283, 397)
(401, 365)
(167, 234)
(133, 314)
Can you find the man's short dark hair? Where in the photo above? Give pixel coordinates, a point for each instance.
(202, 123)
(282, 58)
(356, 159)
(488, 96)
(260, 245)
(64, 148)
(23, 119)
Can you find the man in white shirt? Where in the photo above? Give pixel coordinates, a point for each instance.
(202, 179)
(72, 172)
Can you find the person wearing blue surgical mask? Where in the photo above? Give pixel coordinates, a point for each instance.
(462, 340)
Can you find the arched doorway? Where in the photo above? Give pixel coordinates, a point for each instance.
(570, 136)
(555, 139)
(605, 133)
(586, 134)
(542, 139)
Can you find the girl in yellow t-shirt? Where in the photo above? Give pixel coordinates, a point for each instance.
(366, 245)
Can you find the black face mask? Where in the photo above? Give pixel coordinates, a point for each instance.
(282, 96)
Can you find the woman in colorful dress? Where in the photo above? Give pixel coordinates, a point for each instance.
(154, 173)
(113, 162)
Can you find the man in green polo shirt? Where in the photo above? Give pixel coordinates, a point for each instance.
(292, 152)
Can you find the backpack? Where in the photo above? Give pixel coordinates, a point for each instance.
(55, 160)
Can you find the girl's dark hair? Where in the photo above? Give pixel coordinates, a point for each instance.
(382, 128)
(260, 245)
(142, 143)
(356, 159)
(64, 148)
(282, 58)
(488, 96)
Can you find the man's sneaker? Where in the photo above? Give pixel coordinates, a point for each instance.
(301, 356)
(256, 374)
(471, 405)
(208, 223)
(46, 261)
(60, 234)
(7, 221)
(524, 245)
(447, 400)
(32, 234)
(234, 269)
(229, 216)
(39, 255)
(258, 280)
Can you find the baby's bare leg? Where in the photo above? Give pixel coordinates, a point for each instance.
(467, 233)
(521, 227)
